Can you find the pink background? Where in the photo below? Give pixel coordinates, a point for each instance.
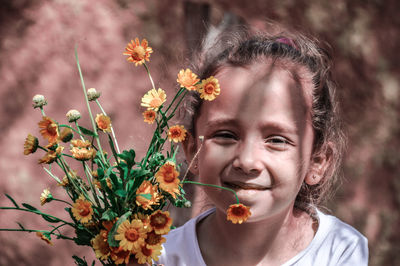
(37, 57)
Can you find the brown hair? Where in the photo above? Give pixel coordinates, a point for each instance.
(242, 48)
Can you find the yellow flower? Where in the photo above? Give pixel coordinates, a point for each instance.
(138, 52)
(81, 150)
(149, 116)
(187, 79)
(167, 177)
(176, 133)
(119, 255)
(49, 129)
(66, 135)
(65, 181)
(31, 144)
(147, 188)
(103, 122)
(154, 239)
(160, 222)
(45, 197)
(100, 246)
(238, 213)
(82, 210)
(44, 238)
(146, 254)
(209, 89)
(153, 99)
(131, 235)
(51, 155)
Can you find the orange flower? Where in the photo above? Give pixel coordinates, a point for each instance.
(160, 222)
(176, 133)
(82, 210)
(138, 52)
(147, 254)
(51, 155)
(45, 239)
(149, 116)
(131, 235)
(154, 239)
(153, 99)
(81, 150)
(103, 122)
(187, 79)
(45, 197)
(31, 144)
(167, 177)
(209, 89)
(147, 188)
(49, 129)
(238, 213)
(100, 246)
(119, 255)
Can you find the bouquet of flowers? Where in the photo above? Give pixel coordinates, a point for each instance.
(117, 201)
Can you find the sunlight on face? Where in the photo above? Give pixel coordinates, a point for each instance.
(258, 137)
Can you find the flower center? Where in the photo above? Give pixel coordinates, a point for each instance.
(209, 88)
(238, 211)
(156, 102)
(169, 176)
(131, 234)
(158, 221)
(138, 53)
(175, 133)
(84, 211)
(146, 251)
(52, 129)
(153, 238)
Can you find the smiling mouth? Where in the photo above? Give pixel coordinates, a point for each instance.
(244, 186)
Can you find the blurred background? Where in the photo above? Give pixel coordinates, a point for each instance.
(37, 40)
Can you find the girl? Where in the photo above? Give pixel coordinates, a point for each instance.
(272, 135)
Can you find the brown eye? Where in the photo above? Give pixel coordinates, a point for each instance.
(277, 142)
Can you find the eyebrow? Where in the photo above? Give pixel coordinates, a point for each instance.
(281, 127)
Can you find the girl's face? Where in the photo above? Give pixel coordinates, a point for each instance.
(258, 138)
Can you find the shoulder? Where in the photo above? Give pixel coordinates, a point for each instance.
(335, 243)
(181, 247)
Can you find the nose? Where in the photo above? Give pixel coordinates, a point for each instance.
(248, 158)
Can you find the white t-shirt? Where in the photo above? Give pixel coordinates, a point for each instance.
(335, 243)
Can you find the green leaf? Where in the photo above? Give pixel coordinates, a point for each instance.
(128, 157)
(83, 237)
(79, 261)
(121, 193)
(87, 131)
(111, 236)
(30, 207)
(12, 200)
(50, 219)
(109, 215)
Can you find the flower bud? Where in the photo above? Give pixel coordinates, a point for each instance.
(66, 135)
(39, 101)
(187, 204)
(92, 94)
(73, 115)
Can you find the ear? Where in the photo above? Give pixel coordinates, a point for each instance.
(320, 162)
(189, 147)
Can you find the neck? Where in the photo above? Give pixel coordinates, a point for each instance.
(275, 239)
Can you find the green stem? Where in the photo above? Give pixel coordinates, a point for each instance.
(41, 231)
(42, 111)
(73, 129)
(88, 107)
(38, 212)
(211, 185)
(79, 131)
(60, 200)
(88, 177)
(148, 73)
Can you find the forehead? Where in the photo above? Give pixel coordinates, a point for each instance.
(272, 91)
